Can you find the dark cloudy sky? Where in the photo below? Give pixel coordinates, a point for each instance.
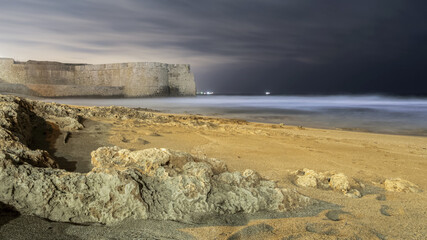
(285, 46)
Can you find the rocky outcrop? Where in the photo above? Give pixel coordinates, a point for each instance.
(53, 79)
(147, 184)
(328, 181)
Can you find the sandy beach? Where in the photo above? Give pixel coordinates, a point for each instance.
(276, 152)
(222, 120)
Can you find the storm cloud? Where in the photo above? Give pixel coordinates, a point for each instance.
(244, 46)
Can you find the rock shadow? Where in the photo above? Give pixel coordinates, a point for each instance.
(242, 219)
(36, 132)
(77, 146)
(44, 136)
(7, 213)
(70, 150)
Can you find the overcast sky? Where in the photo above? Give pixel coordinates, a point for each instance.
(248, 46)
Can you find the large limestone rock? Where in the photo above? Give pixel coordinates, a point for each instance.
(151, 183)
(147, 184)
(71, 197)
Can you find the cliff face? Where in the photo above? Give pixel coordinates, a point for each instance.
(53, 79)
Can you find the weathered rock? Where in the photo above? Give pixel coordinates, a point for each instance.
(16, 126)
(151, 183)
(308, 178)
(179, 186)
(327, 181)
(339, 182)
(147, 184)
(72, 197)
(400, 185)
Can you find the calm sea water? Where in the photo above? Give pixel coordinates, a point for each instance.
(362, 113)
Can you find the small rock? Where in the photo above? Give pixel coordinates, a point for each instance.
(307, 181)
(339, 182)
(353, 193)
(385, 210)
(335, 215)
(400, 185)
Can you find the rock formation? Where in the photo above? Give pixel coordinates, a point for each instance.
(53, 79)
(328, 181)
(147, 184)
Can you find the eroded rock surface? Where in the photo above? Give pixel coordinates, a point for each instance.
(178, 186)
(146, 184)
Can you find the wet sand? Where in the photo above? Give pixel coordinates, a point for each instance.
(275, 151)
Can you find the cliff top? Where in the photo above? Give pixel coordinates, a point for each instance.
(35, 62)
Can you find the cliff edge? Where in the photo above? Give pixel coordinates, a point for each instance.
(54, 79)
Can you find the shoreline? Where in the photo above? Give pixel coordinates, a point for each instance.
(251, 115)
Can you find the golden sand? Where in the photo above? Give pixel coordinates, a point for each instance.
(276, 150)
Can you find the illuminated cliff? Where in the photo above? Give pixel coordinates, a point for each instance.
(54, 79)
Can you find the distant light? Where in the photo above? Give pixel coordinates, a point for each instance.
(205, 93)
(267, 93)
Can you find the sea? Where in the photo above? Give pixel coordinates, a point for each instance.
(366, 113)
